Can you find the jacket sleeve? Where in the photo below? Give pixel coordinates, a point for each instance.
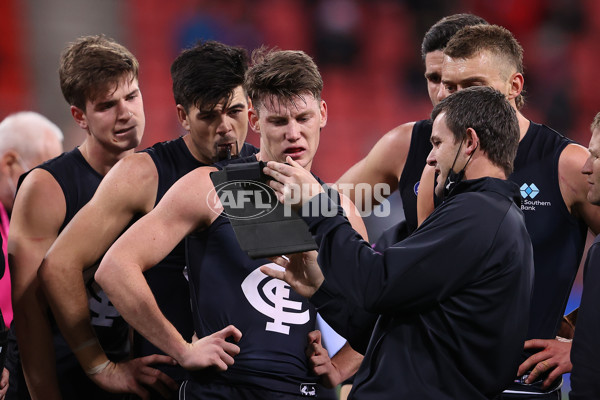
(433, 263)
(351, 322)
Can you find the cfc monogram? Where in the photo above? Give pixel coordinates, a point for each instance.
(277, 293)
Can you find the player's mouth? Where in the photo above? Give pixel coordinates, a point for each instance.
(294, 152)
(124, 131)
(226, 150)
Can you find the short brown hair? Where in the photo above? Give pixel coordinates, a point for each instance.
(486, 111)
(91, 65)
(472, 40)
(282, 74)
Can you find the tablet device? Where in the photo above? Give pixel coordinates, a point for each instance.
(263, 226)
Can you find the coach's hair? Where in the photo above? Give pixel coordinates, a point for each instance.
(437, 37)
(91, 65)
(207, 73)
(472, 40)
(283, 74)
(490, 115)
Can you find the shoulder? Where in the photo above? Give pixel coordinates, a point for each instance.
(39, 183)
(399, 137)
(135, 168)
(192, 198)
(39, 201)
(573, 156)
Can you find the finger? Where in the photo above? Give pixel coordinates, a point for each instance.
(318, 360)
(221, 365)
(281, 261)
(314, 336)
(229, 331)
(152, 375)
(290, 161)
(536, 344)
(231, 348)
(539, 369)
(158, 381)
(195, 338)
(140, 391)
(555, 374)
(273, 273)
(312, 350)
(531, 361)
(157, 359)
(276, 183)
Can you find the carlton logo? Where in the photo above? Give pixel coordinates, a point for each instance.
(271, 297)
(242, 200)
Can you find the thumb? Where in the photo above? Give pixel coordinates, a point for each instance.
(314, 337)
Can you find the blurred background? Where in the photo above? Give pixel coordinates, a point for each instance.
(368, 53)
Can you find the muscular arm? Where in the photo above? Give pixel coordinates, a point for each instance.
(425, 198)
(383, 164)
(574, 186)
(182, 210)
(129, 188)
(38, 213)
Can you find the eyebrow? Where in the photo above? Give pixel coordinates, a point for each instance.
(113, 101)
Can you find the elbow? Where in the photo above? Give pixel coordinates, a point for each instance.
(103, 272)
(109, 270)
(45, 273)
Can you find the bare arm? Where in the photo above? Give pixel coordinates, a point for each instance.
(38, 213)
(574, 186)
(128, 188)
(383, 164)
(425, 202)
(182, 210)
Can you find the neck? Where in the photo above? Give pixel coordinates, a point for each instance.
(99, 158)
(523, 124)
(481, 167)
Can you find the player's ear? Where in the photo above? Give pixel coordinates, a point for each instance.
(323, 110)
(182, 116)
(79, 117)
(516, 85)
(253, 120)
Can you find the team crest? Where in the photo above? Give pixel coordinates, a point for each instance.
(271, 297)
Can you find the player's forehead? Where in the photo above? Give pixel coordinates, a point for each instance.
(481, 65)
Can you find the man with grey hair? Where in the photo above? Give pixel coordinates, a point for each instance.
(26, 139)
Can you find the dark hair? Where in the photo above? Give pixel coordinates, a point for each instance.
(207, 73)
(282, 74)
(91, 65)
(472, 40)
(437, 37)
(488, 112)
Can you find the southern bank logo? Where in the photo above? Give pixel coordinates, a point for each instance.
(529, 191)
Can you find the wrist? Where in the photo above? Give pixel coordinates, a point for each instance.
(90, 355)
